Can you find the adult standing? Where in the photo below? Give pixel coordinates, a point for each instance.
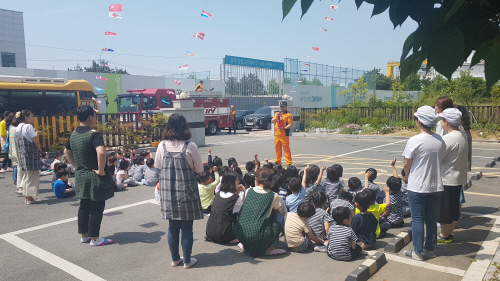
(441, 104)
(454, 171)
(466, 130)
(233, 119)
(284, 121)
(13, 151)
(93, 182)
(257, 226)
(28, 152)
(179, 160)
(4, 126)
(423, 155)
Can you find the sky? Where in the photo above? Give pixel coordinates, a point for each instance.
(153, 36)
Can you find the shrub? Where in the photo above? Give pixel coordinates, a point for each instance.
(386, 130)
(345, 131)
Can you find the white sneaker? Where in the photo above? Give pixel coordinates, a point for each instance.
(413, 255)
(320, 249)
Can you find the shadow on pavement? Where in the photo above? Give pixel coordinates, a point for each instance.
(221, 258)
(123, 238)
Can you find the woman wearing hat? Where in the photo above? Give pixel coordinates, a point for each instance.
(423, 155)
(454, 171)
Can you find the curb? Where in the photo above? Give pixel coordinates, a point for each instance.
(399, 242)
(467, 185)
(477, 176)
(342, 136)
(367, 268)
(492, 164)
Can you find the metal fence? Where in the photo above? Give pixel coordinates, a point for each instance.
(251, 81)
(253, 103)
(312, 73)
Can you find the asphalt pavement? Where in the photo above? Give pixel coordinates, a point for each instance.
(40, 242)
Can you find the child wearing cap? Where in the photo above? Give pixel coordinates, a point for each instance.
(423, 155)
(454, 171)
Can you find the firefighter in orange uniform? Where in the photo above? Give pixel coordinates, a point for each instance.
(199, 87)
(283, 121)
(233, 119)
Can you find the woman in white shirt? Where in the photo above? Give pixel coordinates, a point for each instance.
(422, 165)
(454, 172)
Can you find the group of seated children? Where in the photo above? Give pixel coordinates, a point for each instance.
(319, 214)
(48, 168)
(132, 169)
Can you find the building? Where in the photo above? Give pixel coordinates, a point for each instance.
(475, 71)
(12, 43)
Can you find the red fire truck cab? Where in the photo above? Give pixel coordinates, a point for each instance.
(217, 115)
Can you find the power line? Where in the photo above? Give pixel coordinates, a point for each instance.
(117, 54)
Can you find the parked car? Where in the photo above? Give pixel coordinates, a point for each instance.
(261, 119)
(239, 118)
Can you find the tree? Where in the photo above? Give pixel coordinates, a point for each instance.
(251, 85)
(381, 81)
(191, 76)
(99, 66)
(316, 82)
(358, 92)
(399, 96)
(448, 32)
(232, 86)
(273, 88)
(413, 83)
(495, 94)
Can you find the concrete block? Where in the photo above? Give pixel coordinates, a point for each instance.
(367, 268)
(492, 164)
(467, 185)
(477, 176)
(399, 242)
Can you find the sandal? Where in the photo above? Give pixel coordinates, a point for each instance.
(188, 265)
(103, 243)
(276, 252)
(441, 239)
(177, 262)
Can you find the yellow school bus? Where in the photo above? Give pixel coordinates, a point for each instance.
(46, 98)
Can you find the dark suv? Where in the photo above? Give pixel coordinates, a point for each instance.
(240, 114)
(261, 119)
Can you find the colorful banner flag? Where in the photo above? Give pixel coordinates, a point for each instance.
(114, 15)
(96, 100)
(305, 70)
(109, 33)
(107, 50)
(183, 67)
(97, 89)
(116, 8)
(101, 78)
(315, 48)
(323, 29)
(307, 64)
(205, 14)
(310, 57)
(103, 64)
(178, 82)
(327, 18)
(334, 7)
(188, 53)
(199, 35)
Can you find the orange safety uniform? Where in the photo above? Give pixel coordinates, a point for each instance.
(281, 136)
(198, 88)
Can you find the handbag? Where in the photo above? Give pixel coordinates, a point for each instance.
(6, 145)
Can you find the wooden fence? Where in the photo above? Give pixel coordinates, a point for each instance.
(481, 114)
(117, 129)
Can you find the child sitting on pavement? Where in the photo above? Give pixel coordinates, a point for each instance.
(298, 233)
(342, 240)
(60, 188)
(364, 224)
(140, 169)
(321, 220)
(374, 208)
(354, 185)
(152, 174)
(373, 186)
(344, 200)
(206, 189)
(333, 184)
(393, 216)
(298, 194)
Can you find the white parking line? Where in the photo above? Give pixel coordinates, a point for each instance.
(370, 148)
(51, 259)
(477, 270)
(238, 141)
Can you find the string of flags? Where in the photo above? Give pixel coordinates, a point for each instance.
(101, 78)
(109, 33)
(188, 53)
(323, 29)
(177, 82)
(198, 35)
(115, 11)
(184, 67)
(315, 48)
(100, 90)
(205, 14)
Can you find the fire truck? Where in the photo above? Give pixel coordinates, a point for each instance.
(217, 109)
